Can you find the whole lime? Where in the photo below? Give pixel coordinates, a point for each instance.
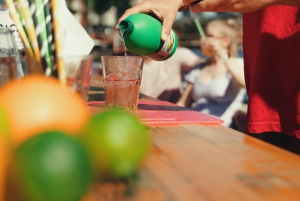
(50, 166)
(117, 142)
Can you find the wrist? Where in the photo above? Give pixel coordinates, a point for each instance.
(182, 6)
(224, 59)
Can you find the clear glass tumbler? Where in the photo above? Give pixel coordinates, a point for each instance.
(78, 72)
(122, 78)
(10, 63)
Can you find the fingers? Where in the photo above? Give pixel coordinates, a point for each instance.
(167, 26)
(193, 3)
(188, 2)
(198, 7)
(165, 10)
(141, 7)
(212, 5)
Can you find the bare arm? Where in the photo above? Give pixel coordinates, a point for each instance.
(186, 99)
(187, 58)
(165, 10)
(236, 71)
(241, 6)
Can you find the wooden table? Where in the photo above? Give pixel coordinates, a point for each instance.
(209, 163)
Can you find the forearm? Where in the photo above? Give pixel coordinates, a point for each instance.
(236, 71)
(242, 6)
(286, 2)
(185, 99)
(189, 65)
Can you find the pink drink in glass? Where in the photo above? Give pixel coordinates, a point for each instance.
(122, 91)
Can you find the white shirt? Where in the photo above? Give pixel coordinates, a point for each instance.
(221, 97)
(159, 76)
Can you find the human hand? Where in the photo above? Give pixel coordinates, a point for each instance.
(206, 48)
(210, 47)
(165, 10)
(228, 5)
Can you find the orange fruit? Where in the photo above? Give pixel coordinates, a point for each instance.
(51, 166)
(5, 156)
(117, 142)
(37, 103)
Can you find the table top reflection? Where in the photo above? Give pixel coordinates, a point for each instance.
(204, 162)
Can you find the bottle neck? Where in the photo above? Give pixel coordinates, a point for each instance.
(126, 26)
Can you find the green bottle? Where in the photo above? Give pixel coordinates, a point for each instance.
(142, 35)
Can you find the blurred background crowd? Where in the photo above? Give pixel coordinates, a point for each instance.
(99, 18)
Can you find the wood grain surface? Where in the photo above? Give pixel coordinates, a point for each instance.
(209, 163)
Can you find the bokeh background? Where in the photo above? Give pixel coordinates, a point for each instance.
(99, 18)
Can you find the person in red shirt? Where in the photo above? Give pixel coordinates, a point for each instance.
(271, 60)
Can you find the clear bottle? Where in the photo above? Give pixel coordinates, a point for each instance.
(142, 35)
(10, 63)
(6, 21)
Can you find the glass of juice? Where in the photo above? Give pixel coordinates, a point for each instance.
(77, 72)
(206, 47)
(122, 77)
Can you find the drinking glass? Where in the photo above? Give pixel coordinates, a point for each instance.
(10, 64)
(78, 72)
(122, 78)
(206, 47)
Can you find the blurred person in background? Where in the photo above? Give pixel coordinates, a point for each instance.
(216, 87)
(271, 34)
(163, 79)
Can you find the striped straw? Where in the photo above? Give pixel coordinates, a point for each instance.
(40, 15)
(200, 29)
(55, 4)
(37, 13)
(33, 65)
(30, 28)
(32, 11)
(18, 24)
(49, 28)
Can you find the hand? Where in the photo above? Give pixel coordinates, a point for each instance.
(243, 6)
(213, 47)
(165, 10)
(221, 54)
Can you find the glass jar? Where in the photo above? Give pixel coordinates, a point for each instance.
(10, 63)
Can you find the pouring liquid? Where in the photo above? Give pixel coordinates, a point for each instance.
(123, 41)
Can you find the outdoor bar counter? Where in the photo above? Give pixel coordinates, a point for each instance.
(209, 162)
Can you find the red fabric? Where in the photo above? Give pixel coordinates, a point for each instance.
(272, 69)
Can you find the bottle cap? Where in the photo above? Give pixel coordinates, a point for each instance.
(126, 26)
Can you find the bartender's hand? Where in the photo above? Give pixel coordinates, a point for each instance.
(165, 10)
(242, 6)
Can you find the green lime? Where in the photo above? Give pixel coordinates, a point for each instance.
(4, 123)
(51, 166)
(117, 141)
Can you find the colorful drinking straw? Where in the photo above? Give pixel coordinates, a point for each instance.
(200, 29)
(30, 29)
(55, 4)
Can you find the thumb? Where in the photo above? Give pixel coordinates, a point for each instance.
(167, 26)
(197, 7)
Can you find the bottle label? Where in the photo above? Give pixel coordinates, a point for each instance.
(166, 49)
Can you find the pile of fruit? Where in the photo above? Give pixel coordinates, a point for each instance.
(52, 148)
